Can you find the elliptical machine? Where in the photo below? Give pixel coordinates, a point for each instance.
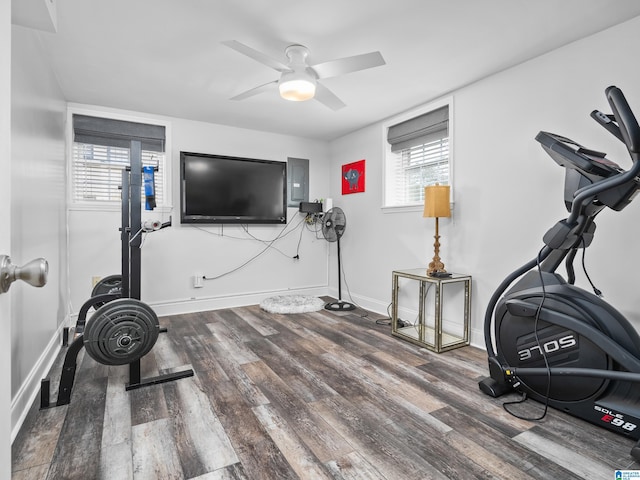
(551, 340)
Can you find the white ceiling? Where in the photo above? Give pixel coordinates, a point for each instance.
(165, 56)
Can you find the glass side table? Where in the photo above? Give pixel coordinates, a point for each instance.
(419, 314)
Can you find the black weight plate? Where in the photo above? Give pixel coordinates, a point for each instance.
(119, 343)
(111, 284)
(121, 332)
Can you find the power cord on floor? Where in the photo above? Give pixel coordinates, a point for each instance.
(385, 321)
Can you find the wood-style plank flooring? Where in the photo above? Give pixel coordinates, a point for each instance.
(320, 395)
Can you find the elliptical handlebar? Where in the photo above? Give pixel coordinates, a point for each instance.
(608, 122)
(627, 122)
(629, 130)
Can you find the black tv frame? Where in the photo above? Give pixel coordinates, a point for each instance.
(187, 218)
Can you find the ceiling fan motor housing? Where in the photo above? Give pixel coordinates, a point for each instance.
(297, 55)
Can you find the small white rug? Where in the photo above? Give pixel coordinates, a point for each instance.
(292, 304)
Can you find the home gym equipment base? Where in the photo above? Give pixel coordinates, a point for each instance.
(69, 372)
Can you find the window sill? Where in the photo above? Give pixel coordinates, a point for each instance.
(408, 208)
(402, 209)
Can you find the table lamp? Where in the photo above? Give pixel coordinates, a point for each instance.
(436, 204)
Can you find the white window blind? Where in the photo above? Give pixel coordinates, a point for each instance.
(418, 156)
(101, 153)
(419, 166)
(97, 172)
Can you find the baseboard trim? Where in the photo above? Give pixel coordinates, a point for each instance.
(216, 302)
(177, 307)
(30, 389)
(477, 339)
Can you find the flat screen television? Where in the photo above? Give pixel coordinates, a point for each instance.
(223, 189)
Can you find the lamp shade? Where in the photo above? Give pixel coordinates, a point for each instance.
(436, 201)
(297, 86)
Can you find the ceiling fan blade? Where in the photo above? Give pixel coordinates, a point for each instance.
(346, 65)
(255, 91)
(328, 98)
(257, 56)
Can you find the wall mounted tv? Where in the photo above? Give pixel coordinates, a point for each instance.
(223, 189)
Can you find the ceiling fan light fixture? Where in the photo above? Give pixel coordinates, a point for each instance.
(297, 86)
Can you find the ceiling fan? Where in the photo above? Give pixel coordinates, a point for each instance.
(299, 81)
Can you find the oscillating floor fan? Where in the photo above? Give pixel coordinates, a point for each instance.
(334, 224)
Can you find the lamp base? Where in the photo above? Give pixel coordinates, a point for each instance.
(436, 267)
(439, 274)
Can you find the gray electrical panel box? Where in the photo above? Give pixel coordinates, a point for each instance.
(298, 181)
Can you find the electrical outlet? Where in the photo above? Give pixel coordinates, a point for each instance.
(95, 280)
(198, 281)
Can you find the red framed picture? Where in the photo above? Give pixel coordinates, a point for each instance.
(353, 177)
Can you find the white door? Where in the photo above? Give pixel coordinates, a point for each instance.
(5, 237)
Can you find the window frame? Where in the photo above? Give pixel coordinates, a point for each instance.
(389, 157)
(73, 204)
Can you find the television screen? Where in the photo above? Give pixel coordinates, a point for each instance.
(223, 189)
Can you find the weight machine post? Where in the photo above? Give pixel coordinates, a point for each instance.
(135, 217)
(134, 236)
(134, 373)
(125, 232)
(134, 260)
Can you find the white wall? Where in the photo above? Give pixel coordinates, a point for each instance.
(5, 235)
(508, 192)
(171, 257)
(38, 211)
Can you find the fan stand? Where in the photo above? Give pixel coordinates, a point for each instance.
(339, 306)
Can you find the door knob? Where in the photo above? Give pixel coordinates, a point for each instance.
(34, 273)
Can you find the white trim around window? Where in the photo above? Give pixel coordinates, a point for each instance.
(389, 174)
(73, 204)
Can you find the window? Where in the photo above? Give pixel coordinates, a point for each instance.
(101, 152)
(417, 155)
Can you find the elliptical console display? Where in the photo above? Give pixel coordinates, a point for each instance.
(551, 340)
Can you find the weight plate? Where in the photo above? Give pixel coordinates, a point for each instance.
(111, 284)
(121, 332)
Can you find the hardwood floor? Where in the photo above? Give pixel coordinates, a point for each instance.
(310, 396)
